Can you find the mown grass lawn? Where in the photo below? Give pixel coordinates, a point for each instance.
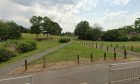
(70, 52)
(41, 46)
(128, 45)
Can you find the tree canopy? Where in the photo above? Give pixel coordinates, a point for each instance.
(44, 24)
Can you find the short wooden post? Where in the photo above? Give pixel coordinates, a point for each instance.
(104, 56)
(111, 44)
(116, 45)
(132, 48)
(125, 54)
(123, 47)
(91, 56)
(78, 61)
(26, 65)
(115, 56)
(96, 45)
(107, 48)
(101, 46)
(44, 63)
(114, 50)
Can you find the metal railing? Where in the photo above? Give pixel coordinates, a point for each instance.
(124, 73)
(17, 80)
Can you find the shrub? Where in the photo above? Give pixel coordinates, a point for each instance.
(5, 54)
(64, 40)
(135, 38)
(23, 47)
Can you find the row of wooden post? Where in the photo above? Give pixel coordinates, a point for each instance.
(78, 59)
(96, 45)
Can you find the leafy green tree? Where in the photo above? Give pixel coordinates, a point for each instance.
(9, 30)
(82, 29)
(36, 27)
(114, 35)
(137, 25)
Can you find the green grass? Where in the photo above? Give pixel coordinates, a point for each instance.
(41, 46)
(70, 52)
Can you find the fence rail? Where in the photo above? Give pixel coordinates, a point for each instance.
(123, 73)
(17, 80)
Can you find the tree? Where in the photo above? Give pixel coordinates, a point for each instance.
(114, 35)
(51, 27)
(82, 29)
(36, 27)
(137, 25)
(9, 30)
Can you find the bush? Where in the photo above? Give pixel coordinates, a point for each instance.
(23, 47)
(5, 54)
(135, 38)
(64, 40)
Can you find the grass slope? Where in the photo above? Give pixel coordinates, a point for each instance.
(41, 46)
(70, 52)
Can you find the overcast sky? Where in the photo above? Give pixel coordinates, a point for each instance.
(109, 14)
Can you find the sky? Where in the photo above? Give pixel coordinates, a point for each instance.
(110, 14)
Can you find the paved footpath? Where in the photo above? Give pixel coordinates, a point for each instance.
(5, 70)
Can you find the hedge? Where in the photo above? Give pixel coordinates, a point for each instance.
(6, 54)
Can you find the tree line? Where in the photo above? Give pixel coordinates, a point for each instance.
(44, 25)
(127, 33)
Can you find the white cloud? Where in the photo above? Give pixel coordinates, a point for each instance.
(121, 2)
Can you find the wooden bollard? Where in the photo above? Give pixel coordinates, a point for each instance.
(104, 56)
(91, 56)
(111, 45)
(125, 54)
(78, 61)
(123, 47)
(116, 45)
(132, 48)
(101, 46)
(26, 65)
(115, 56)
(114, 50)
(44, 63)
(96, 45)
(107, 48)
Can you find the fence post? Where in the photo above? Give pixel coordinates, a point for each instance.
(44, 63)
(111, 44)
(104, 56)
(107, 48)
(123, 47)
(114, 55)
(132, 48)
(125, 54)
(114, 50)
(26, 65)
(78, 59)
(96, 45)
(116, 45)
(91, 58)
(101, 46)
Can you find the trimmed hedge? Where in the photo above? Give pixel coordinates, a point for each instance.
(20, 47)
(5, 54)
(64, 40)
(23, 47)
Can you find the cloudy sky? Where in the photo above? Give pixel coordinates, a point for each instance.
(109, 14)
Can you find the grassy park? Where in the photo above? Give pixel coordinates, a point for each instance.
(41, 46)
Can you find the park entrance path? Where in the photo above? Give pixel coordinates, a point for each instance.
(5, 70)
